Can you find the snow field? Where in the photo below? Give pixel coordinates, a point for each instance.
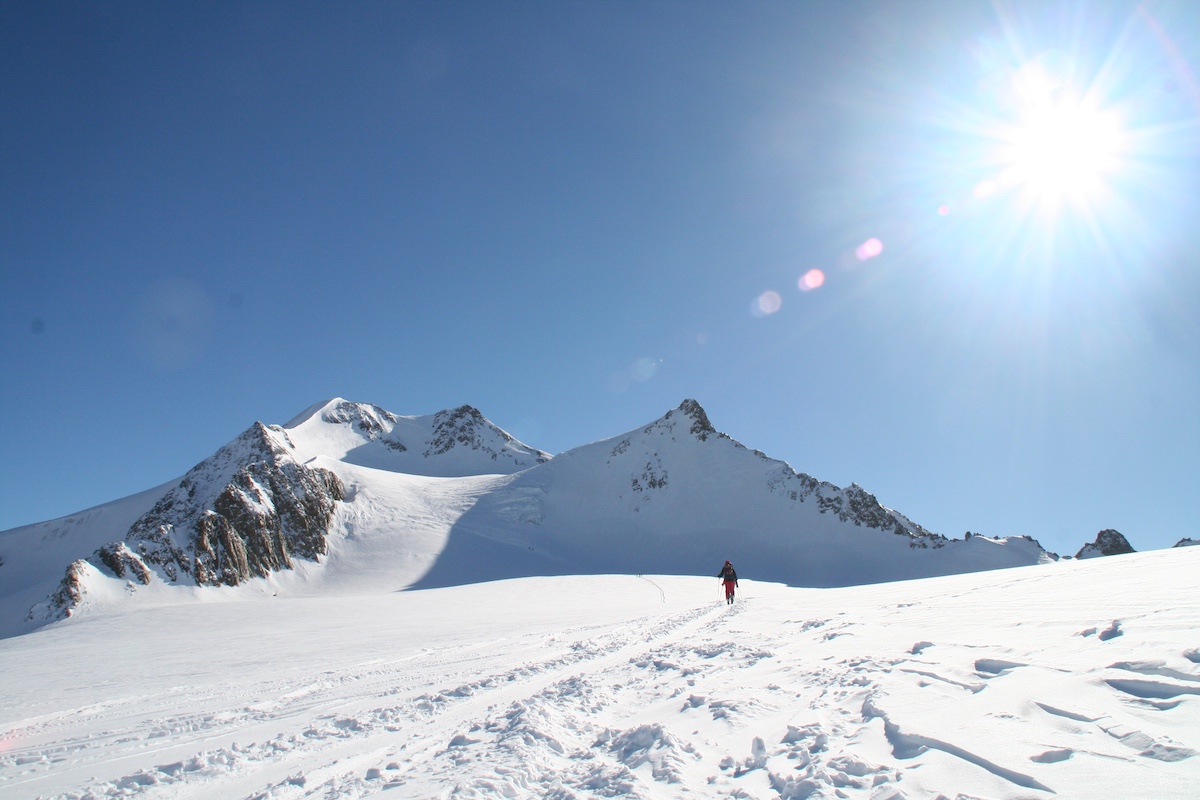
(1076, 679)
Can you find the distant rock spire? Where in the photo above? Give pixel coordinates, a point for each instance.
(701, 427)
(1108, 543)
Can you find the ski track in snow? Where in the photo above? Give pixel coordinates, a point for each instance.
(786, 694)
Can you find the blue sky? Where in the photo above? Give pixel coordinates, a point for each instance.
(821, 220)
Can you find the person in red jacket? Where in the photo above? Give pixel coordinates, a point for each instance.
(729, 576)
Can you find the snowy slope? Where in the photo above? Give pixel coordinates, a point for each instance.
(1074, 679)
(34, 556)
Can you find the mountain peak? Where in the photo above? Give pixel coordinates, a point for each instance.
(701, 427)
(370, 419)
(1108, 543)
(691, 414)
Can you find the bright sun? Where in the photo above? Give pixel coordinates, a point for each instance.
(1059, 147)
(1052, 154)
(1062, 151)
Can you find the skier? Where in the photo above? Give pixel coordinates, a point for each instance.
(728, 575)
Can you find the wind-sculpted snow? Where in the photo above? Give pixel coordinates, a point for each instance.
(967, 686)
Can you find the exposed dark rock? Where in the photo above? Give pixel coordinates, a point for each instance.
(1188, 542)
(1108, 543)
(466, 427)
(367, 418)
(452, 428)
(654, 476)
(243, 513)
(122, 561)
(701, 427)
(372, 421)
(65, 598)
(689, 413)
(855, 504)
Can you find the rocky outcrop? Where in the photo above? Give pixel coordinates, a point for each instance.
(855, 504)
(66, 597)
(1108, 543)
(247, 511)
(1188, 542)
(266, 515)
(701, 428)
(373, 422)
(123, 562)
(690, 416)
(244, 513)
(467, 428)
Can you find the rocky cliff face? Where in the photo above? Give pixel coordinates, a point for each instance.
(464, 427)
(1108, 543)
(245, 512)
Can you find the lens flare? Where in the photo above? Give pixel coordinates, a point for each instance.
(766, 304)
(643, 369)
(984, 189)
(868, 249)
(813, 279)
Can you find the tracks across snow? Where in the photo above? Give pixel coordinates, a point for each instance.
(308, 734)
(618, 686)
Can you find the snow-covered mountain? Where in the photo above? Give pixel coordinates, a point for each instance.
(348, 496)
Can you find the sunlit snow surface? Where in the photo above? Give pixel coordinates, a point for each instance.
(1079, 678)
